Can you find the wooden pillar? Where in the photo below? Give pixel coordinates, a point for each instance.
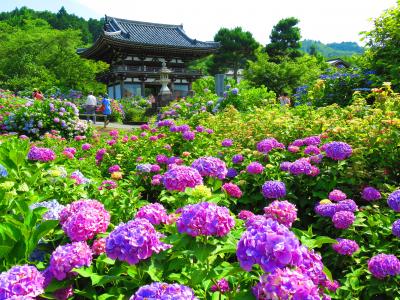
(122, 86)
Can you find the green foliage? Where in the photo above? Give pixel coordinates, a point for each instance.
(332, 50)
(284, 40)
(383, 44)
(33, 55)
(237, 47)
(286, 75)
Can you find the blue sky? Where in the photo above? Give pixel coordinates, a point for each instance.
(324, 20)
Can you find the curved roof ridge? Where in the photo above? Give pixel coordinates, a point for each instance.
(147, 23)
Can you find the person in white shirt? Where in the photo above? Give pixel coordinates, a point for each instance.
(91, 103)
(284, 99)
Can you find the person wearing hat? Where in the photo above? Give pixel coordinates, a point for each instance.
(107, 109)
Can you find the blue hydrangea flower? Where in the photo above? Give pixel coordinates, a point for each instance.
(3, 171)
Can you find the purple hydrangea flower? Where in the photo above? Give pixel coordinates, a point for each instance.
(237, 159)
(144, 168)
(343, 219)
(274, 189)
(235, 91)
(161, 159)
(53, 209)
(134, 241)
(100, 154)
(370, 194)
(298, 143)
(393, 201)
(245, 215)
(41, 154)
(312, 150)
(178, 178)
(316, 159)
(210, 166)
(83, 219)
(69, 256)
(205, 219)
(79, 177)
(86, 147)
(164, 291)
(21, 282)
(285, 166)
(222, 286)
(311, 265)
(267, 243)
(232, 190)
(345, 247)
(227, 143)
(108, 185)
(267, 145)
(383, 265)
(337, 195)
(326, 209)
(255, 168)
(282, 211)
(232, 173)
(188, 135)
(293, 149)
(338, 150)
(286, 284)
(312, 140)
(396, 228)
(300, 166)
(114, 168)
(155, 213)
(347, 205)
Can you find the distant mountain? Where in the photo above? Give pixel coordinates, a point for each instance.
(332, 50)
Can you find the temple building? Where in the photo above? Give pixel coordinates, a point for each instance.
(137, 51)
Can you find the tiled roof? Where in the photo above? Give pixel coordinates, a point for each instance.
(144, 33)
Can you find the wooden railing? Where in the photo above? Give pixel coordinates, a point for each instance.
(145, 69)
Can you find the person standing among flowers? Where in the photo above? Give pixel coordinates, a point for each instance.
(107, 109)
(91, 103)
(284, 99)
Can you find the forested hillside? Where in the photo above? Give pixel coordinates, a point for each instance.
(332, 50)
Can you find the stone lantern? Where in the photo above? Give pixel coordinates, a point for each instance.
(164, 80)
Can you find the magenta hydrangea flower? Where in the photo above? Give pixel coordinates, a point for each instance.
(337, 195)
(108, 185)
(300, 166)
(345, 247)
(269, 244)
(312, 150)
(338, 150)
(245, 215)
(41, 154)
(114, 168)
(383, 265)
(343, 219)
(237, 159)
(100, 154)
(178, 178)
(64, 293)
(155, 213)
(298, 143)
(269, 144)
(222, 286)
(161, 159)
(227, 143)
(293, 149)
(255, 168)
(21, 282)
(396, 228)
(83, 219)
(316, 159)
(232, 190)
(274, 189)
(286, 284)
(311, 265)
(69, 256)
(282, 211)
(393, 201)
(86, 147)
(99, 246)
(370, 194)
(188, 135)
(164, 291)
(210, 166)
(134, 241)
(205, 219)
(155, 168)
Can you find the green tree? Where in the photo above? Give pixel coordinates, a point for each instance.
(286, 75)
(36, 56)
(284, 40)
(383, 42)
(237, 47)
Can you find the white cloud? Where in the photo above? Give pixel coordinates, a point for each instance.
(324, 20)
